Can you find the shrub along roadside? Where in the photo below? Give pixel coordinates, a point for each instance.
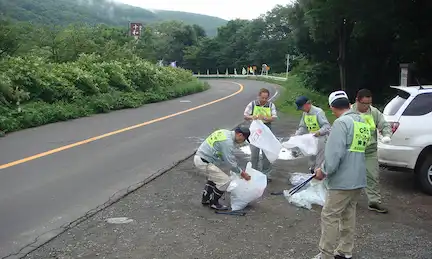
(35, 114)
(35, 92)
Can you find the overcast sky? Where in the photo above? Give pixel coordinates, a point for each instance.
(226, 9)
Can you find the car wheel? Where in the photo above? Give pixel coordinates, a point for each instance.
(425, 175)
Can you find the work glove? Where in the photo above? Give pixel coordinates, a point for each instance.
(386, 140)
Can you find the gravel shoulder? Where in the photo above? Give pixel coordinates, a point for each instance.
(170, 222)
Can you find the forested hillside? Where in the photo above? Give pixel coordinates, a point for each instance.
(363, 40)
(64, 12)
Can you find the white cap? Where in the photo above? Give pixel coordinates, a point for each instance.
(337, 95)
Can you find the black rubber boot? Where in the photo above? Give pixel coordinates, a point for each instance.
(214, 200)
(207, 192)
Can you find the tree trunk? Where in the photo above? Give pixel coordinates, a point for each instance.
(345, 29)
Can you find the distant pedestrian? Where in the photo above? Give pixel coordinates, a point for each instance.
(264, 110)
(218, 148)
(344, 170)
(313, 121)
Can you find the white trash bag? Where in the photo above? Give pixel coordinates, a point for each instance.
(313, 193)
(307, 143)
(284, 154)
(298, 178)
(243, 192)
(262, 137)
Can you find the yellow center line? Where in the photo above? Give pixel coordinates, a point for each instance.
(85, 141)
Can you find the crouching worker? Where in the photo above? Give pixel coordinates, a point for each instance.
(216, 149)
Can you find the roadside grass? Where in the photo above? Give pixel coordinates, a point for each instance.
(278, 74)
(39, 113)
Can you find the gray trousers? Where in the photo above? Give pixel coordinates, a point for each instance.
(255, 158)
(317, 160)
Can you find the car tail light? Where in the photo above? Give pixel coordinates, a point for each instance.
(394, 126)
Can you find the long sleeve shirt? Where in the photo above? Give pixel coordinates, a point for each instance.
(221, 152)
(323, 122)
(379, 124)
(344, 169)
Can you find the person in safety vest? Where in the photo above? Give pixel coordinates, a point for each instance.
(375, 119)
(264, 110)
(313, 121)
(218, 148)
(344, 171)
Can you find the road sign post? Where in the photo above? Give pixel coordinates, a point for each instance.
(135, 29)
(287, 64)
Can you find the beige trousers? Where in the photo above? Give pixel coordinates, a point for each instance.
(338, 219)
(213, 173)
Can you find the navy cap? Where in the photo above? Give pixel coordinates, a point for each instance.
(300, 101)
(245, 131)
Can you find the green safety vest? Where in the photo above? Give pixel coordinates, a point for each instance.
(261, 110)
(216, 136)
(361, 137)
(311, 122)
(369, 120)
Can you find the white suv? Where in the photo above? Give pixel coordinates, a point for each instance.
(410, 115)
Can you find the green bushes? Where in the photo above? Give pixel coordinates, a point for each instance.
(34, 91)
(317, 76)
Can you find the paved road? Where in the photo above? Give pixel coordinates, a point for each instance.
(42, 194)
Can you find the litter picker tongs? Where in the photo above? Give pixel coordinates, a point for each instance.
(296, 188)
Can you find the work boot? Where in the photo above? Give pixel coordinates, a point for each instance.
(214, 200)
(377, 207)
(207, 192)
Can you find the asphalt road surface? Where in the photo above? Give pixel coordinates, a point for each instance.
(40, 193)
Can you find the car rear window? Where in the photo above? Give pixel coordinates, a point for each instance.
(394, 105)
(420, 105)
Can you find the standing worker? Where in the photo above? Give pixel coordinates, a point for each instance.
(313, 121)
(217, 148)
(264, 110)
(344, 170)
(376, 121)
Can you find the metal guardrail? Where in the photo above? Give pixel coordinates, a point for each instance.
(240, 76)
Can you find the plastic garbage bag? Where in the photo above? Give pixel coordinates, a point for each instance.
(313, 193)
(284, 154)
(298, 178)
(262, 137)
(244, 192)
(308, 144)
